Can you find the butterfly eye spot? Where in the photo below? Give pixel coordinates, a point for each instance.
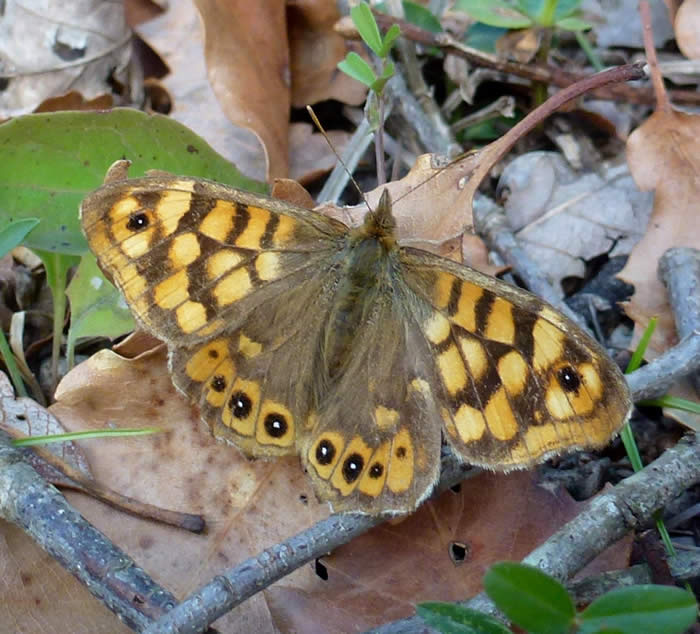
(218, 383)
(569, 378)
(138, 221)
(325, 452)
(276, 425)
(352, 467)
(240, 404)
(400, 452)
(213, 354)
(376, 471)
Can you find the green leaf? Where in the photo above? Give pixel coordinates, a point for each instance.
(530, 598)
(573, 24)
(50, 161)
(495, 13)
(367, 26)
(97, 307)
(56, 266)
(421, 16)
(389, 39)
(13, 234)
(566, 8)
(642, 345)
(450, 618)
(645, 608)
(358, 69)
(675, 402)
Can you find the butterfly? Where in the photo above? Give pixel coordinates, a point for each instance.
(296, 334)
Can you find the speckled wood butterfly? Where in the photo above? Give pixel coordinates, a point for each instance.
(296, 334)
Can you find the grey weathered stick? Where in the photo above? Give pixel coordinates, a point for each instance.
(27, 500)
(679, 270)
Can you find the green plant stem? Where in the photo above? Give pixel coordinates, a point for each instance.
(86, 435)
(379, 143)
(13, 370)
(546, 16)
(588, 50)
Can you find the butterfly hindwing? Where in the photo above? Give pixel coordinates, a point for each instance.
(373, 447)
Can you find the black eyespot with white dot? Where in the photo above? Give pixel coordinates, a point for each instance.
(218, 383)
(376, 471)
(325, 452)
(138, 222)
(569, 378)
(400, 452)
(240, 404)
(276, 425)
(352, 467)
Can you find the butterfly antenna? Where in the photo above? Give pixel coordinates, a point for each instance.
(317, 123)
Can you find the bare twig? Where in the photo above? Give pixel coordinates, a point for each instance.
(679, 270)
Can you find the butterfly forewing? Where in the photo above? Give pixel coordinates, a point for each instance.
(193, 257)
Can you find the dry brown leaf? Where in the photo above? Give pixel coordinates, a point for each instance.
(292, 192)
(424, 202)
(178, 36)
(247, 55)
(432, 205)
(75, 101)
(663, 156)
(310, 155)
(315, 50)
(47, 50)
(687, 28)
(25, 417)
(563, 218)
(519, 44)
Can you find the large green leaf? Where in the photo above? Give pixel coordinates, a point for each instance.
(50, 161)
(530, 598)
(644, 608)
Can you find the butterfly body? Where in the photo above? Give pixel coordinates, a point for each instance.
(298, 335)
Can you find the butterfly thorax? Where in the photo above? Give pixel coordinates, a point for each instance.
(369, 263)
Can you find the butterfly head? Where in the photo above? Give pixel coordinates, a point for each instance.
(380, 223)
